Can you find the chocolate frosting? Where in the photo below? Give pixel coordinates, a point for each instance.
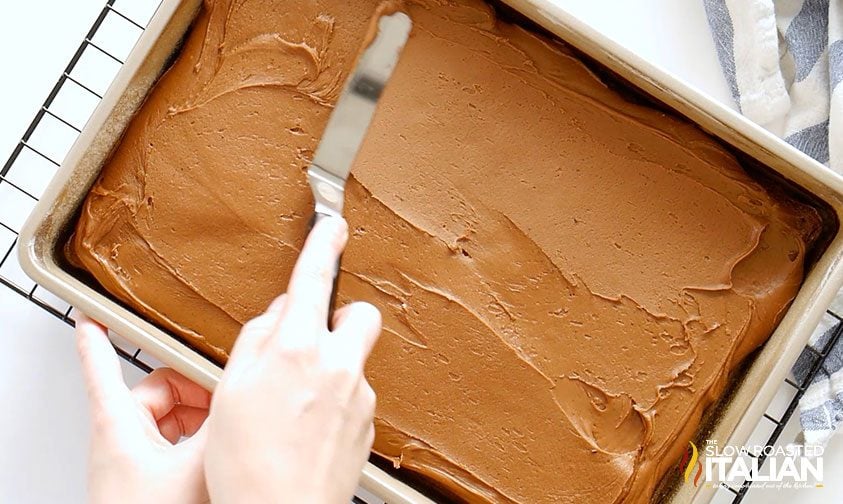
(566, 278)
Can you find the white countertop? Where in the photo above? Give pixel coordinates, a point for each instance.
(43, 429)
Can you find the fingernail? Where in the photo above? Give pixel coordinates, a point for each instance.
(338, 227)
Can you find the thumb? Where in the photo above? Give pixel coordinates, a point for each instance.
(101, 371)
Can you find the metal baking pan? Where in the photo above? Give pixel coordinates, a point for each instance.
(47, 228)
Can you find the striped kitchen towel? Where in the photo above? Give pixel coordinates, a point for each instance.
(783, 60)
(821, 407)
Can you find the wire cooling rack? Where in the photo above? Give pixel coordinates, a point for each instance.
(47, 139)
(68, 107)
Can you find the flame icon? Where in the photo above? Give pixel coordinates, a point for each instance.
(690, 459)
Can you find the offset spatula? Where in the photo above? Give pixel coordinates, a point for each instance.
(350, 119)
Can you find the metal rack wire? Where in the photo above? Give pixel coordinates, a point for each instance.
(815, 359)
(16, 186)
(11, 189)
(20, 190)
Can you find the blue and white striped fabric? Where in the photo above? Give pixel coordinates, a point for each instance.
(821, 408)
(783, 60)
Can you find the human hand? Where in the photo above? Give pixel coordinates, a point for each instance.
(292, 415)
(133, 455)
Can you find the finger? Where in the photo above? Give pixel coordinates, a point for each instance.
(277, 305)
(339, 315)
(198, 439)
(254, 335)
(366, 403)
(370, 437)
(369, 400)
(311, 283)
(356, 330)
(181, 421)
(164, 389)
(100, 367)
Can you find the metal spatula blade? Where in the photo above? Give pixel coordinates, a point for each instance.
(350, 119)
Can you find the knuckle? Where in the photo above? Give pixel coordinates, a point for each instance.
(342, 380)
(259, 324)
(302, 318)
(315, 273)
(342, 376)
(312, 309)
(306, 355)
(370, 399)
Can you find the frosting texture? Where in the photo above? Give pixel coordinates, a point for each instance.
(566, 278)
